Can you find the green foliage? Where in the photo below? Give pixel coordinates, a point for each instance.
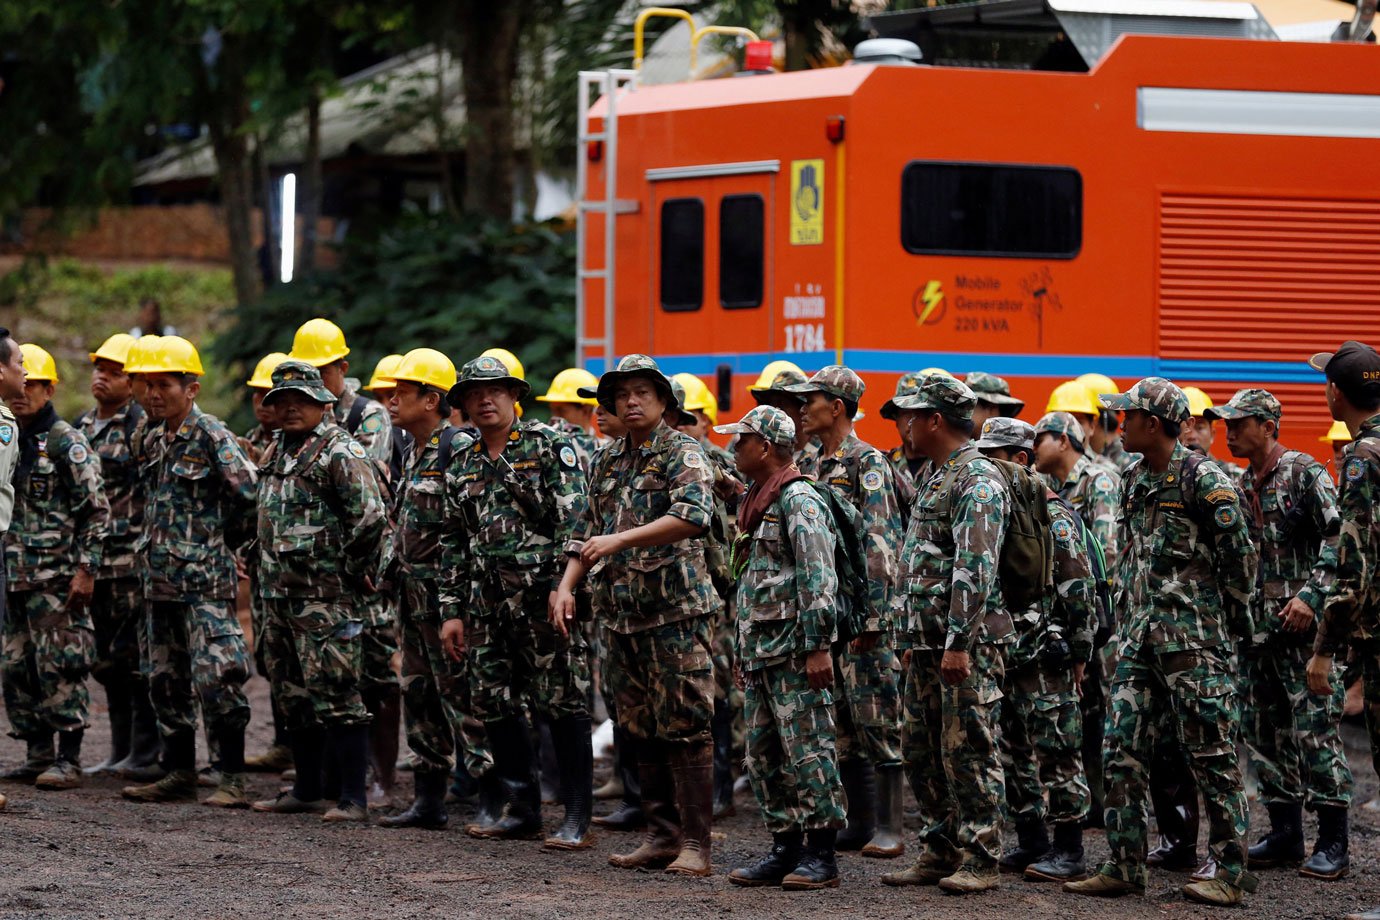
(456, 284)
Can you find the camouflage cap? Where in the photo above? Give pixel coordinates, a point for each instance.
(300, 376)
(631, 366)
(1061, 423)
(485, 369)
(1155, 395)
(836, 381)
(678, 406)
(992, 389)
(768, 422)
(780, 386)
(908, 385)
(942, 393)
(1006, 432)
(1247, 403)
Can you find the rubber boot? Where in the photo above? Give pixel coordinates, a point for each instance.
(120, 703)
(491, 799)
(783, 856)
(860, 789)
(41, 754)
(1032, 844)
(349, 744)
(628, 816)
(662, 842)
(692, 767)
(307, 745)
(818, 867)
(1093, 710)
(1330, 860)
(146, 748)
(721, 729)
(65, 773)
(548, 770)
(570, 736)
(888, 842)
(383, 743)
(1065, 862)
(230, 784)
(510, 740)
(1174, 797)
(1283, 845)
(428, 808)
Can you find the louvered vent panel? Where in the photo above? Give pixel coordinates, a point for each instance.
(1266, 279)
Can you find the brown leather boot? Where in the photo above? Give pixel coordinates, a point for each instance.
(663, 840)
(692, 766)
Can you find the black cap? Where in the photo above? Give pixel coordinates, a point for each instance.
(1355, 368)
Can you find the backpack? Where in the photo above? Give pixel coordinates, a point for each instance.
(1102, 580)
(1188, 484)
(850, 561)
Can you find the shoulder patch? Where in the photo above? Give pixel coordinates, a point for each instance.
(77, 453)
(1103, 483)
(372, 422)
(1225, 516)
(982, 493)
(355, 450)
(1355, 469)
(694, 459)
(1063, 531)
(568, 456)
(1219, 495)
(226, 453)
(809, 508)
(872, 480)
(6, 433)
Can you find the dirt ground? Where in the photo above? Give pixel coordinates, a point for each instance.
(88, 854)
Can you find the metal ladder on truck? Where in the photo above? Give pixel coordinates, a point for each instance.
(608, 84)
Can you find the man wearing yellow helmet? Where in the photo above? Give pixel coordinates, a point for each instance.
(912, 470)
(115, 429)
(1078, 399)
(572, 414)
(1200, 434)
(52, 555)
(320, 343)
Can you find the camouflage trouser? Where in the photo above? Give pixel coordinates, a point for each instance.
(790, 749)
(378, 644)
(1193, 694)
(1041, 745)
(867, 706)
(662, 681)
(117, 613)
(47, 655)
(951, 759)
(196, 653)
(1292, 735)
(312, 649)
(435, 691)
(517, 656)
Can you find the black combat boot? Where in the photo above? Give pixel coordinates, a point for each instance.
(887, 842)
(860, 789)
(1283, 845)
(1329, 861)
(628, 816)
(510, 740)
(119, 701)
(722, 730)
(146, 747)
(1032, 844)
(308, 747)
(1064, 863)
(783, 856)
(490, 798)
(41, 754)
(818, 867)
(428, 808)
(571, 738)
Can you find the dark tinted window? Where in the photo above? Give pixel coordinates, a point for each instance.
(992, 210)
(682, 254)
(741, 247)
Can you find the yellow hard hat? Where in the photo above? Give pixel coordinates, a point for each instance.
(262, 378)
(116, 348)
(38, 364)
(769, 374)
(1073, 396)
(173, 355)
(1338, 432)
(318, 342)
(1198, 401)
(1100, 384)
(383, 373)
(933, 370)
(426, 366)
(565, 386)
(697, 396)
(140, 352)
(509, 360)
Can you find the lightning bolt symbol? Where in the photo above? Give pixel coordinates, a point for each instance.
(932, 296)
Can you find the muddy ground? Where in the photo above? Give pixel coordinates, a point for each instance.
(88, 854)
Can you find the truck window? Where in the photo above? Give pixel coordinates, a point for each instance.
(682, 255)
(991, 209)
(741, 246)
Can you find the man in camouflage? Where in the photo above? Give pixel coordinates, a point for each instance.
(321, 516)
(775, 392)
(1201, 433)
(52, 554)
(512, 499)
(994, 399)
(573, 414)
(199, 490)
(641, 541)
(1042, 730)
(868, 703)
(787, 608)
(12, 377)
(1184, 583)
(955, 631)
(1111, 447)
(909, 470)
(1349, 614)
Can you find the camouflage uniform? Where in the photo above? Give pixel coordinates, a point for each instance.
(951, 601)
(992, 389)
(1095, 493)
(907, 477)
(1184, 585)
(61, 520)
(1121, 458)
(257, 442)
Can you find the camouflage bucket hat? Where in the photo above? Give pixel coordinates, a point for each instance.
(836, 381)
(768, 422)
(780, 386)
(1248, 403)
(300, 376)
(1155, 395)
(632, 366)
(908, 385)
(941, 393)
(992, 389)
(685, 417)
(1061, 423)
(1006, 432)
(485, 369)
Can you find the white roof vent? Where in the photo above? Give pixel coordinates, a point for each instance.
(887, 51)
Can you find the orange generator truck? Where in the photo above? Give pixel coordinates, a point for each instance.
(1032, 188)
